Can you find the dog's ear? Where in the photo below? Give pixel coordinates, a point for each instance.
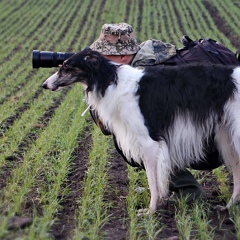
(92, 60)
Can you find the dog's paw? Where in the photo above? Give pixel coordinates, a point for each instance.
(220, 208)
(143, 212)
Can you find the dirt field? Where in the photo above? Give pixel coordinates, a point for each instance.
(116, 228)
(223, 224)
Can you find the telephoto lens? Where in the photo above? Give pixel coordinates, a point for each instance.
(47, 59)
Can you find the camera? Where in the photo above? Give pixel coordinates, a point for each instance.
(47, 59)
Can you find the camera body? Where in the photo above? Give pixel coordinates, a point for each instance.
(47, 59)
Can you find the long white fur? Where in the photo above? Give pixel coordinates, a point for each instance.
(123, 116)
(187, 146)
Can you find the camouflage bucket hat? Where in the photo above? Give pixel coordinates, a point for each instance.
(116, 39)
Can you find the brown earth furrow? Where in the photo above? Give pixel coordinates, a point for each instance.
(65, 224)
(117, 193)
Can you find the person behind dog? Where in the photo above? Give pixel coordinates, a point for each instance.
(117, 43)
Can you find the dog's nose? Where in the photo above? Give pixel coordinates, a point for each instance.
(45, 85)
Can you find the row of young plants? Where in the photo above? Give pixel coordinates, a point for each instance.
(92, 212)
(21, 82)
(42, 172)
(45, 162)
(229, 12)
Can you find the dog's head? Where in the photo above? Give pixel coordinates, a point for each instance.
(88, 67)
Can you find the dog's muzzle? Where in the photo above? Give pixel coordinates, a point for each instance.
(50, 83)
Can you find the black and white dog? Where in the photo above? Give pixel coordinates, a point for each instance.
(162, 117)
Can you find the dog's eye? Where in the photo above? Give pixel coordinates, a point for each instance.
(66, 66)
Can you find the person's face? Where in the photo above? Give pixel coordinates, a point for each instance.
(122, 59)
(114, 58)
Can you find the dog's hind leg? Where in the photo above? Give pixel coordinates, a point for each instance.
(231, 157)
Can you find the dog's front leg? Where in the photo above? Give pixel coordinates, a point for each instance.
(151, 167)
(151, 171)
(158, 168)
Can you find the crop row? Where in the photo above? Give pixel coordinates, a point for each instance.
(40, 130)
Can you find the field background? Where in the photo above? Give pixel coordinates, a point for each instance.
(60, 178)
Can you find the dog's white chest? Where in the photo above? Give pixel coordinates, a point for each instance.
(120, 113)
